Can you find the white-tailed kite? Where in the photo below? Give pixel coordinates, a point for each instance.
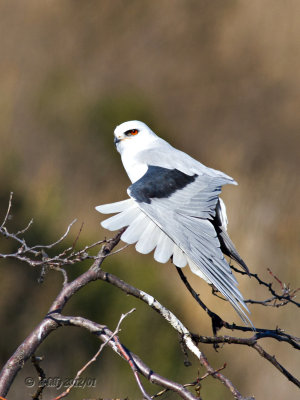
(174, 208)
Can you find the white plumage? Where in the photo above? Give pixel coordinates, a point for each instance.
(174, 209)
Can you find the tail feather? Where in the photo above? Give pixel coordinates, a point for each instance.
(229, 249)
(220, 222)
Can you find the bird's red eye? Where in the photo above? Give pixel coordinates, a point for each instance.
(131, 132)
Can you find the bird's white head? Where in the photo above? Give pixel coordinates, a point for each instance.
(133, 134)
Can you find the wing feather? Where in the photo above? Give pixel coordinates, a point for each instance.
(135, 229)
(162, 154)
(149, 238)
(115, 207)
(179, 225)
(197, 238)
(179, 258)
(121, 220)
(164, 248)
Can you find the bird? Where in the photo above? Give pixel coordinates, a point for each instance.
(174, 208)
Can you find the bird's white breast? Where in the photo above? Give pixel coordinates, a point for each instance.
(135, 169)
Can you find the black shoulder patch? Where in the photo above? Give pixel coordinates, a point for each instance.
(159, 182)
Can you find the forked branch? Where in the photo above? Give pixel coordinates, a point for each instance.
(37, 256)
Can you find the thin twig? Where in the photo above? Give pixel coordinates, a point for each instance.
(22, 231)
(132, 365)
(51, 245)
(218, 322)
(103, 333)
(94, 358)
(77, 237)
(286, 296)
(37, 336)
(192, 384)
(173, 321)
(41, 375)
(36, 256)
(7, 211)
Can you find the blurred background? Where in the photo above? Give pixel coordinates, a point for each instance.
(219, 80)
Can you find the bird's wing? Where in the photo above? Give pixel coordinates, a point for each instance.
(181, 206)
(162, 154)
(170, 211)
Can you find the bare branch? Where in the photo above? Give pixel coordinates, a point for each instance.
(41, 374)
(51, 245)
(288, 294)
(8, 211)
(218, 322)
(22, 231)
(105, 334)
(37, 336)
(195, 384)
(251, 342)
(174, 322)
(94, 358)
(36, 256)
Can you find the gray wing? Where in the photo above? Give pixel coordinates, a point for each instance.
(162, 154)
(181, 206)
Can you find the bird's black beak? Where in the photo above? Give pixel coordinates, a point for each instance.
(116, 140)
